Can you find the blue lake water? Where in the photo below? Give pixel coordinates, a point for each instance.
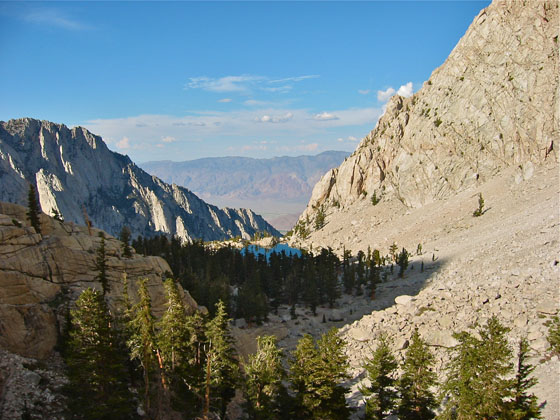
(277, 249)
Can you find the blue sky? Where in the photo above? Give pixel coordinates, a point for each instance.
(184, 80)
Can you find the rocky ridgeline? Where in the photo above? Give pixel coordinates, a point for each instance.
(73, 169)
(40, 274)
(493, 103)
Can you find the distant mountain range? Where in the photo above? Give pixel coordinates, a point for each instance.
(279, 188)
(74, 170)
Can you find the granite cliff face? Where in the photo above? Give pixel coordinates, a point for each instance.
(494, 103)
(73, 168)
(40, 272)
(41, 275)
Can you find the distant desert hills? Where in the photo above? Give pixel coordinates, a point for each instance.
(278, 188)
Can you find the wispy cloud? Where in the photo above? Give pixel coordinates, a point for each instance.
(54, 17)
(123, 143)
(350, 139)
(295, 79)
(363, 91)
(218, 130)
(325, 116)
(275, 119)
(223, 84)
(225, 100)
(245, 84)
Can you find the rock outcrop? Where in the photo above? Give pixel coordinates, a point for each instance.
(41, 273)
(73, 169)
(494, 103)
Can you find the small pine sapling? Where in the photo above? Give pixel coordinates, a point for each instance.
(34, 209)
(480, 210)
(554, 334)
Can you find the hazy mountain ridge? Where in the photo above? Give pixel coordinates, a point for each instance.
(494, 103)
(72, 168)
(279, 177)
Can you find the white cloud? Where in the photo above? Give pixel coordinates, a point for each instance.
(384, 95)
(325, 116)
(275, 119)
(223, 84)
(350, 139)
(225, 100)
(280, 89)
(168, 139)
(215, 131)
(405, 90)
(363, 91)
(123, 143)
(295, 79)
(245, 83)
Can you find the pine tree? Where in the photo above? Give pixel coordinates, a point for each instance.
(124, 237)
(417, 401)
(480, 210)
(173, 334)
(393, 251)
(381, 394)
(101, 265)
(142, 342)
(316, 373)
(264, 374)
(320, 218)
(33, 209)
(181, 370)
(554, 334)
(96, 366)
(402, 261)
(524, 406)
(477, 385)
(221, 363)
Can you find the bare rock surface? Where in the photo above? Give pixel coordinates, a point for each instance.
(486, 122)
(40, 275)
(494, 103)
(73, 169)
(40, 272)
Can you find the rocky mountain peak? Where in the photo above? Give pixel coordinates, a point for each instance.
(74, 170)
(494, 103)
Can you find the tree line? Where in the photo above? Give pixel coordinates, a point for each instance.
(186, 362)
(251, 286)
